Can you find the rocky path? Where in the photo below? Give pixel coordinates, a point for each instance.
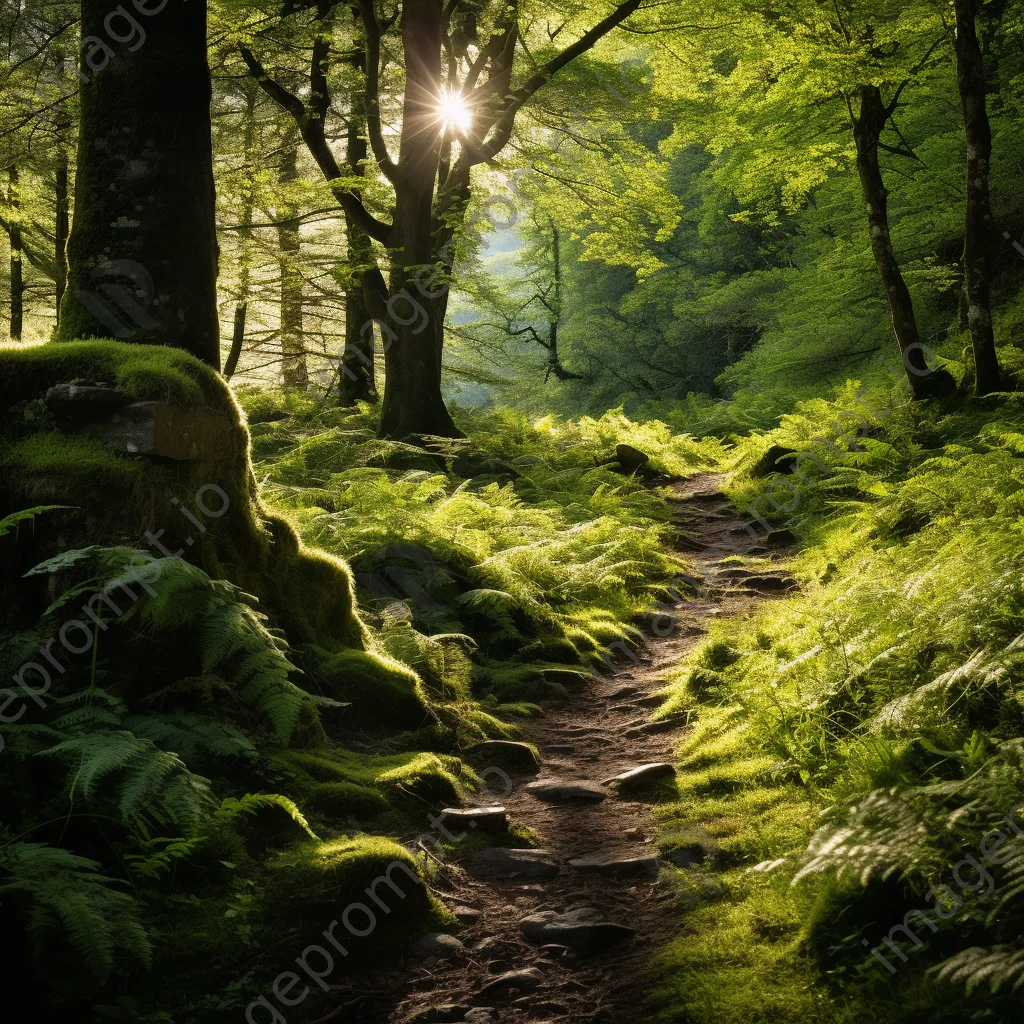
(563, 932)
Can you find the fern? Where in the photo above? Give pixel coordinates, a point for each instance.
(68, 899)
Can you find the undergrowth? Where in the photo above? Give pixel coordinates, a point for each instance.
(857, 750)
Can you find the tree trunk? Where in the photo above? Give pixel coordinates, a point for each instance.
(413, 404)
(17, 281)
(978, 228)
(61, 228)
(289, 243)
(142, 258)
(867, 129)
(237, 339)
(358, 378)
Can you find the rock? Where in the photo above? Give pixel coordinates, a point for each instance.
(505, 752)
(480, 1015)
(486, 819)
(625, 691)
(782, 538)
(776, 460)
(525, 980)
(169, 431)
(640, 777)
(437, 944)
(499, 862)
(442, 1013)
(567, 791)
(770, 582)
(666, 724)
(583, 929)
(617, 865)
(631, 459)
(84, 401)
(467, 915)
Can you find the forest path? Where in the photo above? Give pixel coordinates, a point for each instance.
(589, 970)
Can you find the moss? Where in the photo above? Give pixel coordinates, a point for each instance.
(383, 693)
(312, 884)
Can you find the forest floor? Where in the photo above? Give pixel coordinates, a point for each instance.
(589, 971)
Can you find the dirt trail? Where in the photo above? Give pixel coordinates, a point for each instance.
(593, 734)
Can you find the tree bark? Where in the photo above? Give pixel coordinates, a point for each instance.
(142, 258)
(289, 243)
(358, 377)
(978, 228)
(14, 234)
(413, 404)
(61, 228)
(237, 339)
(867, 129)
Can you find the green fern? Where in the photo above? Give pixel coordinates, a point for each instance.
(70, 900)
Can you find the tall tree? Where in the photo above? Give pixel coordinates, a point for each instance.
(978, 228)
(143, 252)
(289, 246)
(14, 234)
(459, 107)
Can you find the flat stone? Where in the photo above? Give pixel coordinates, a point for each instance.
(437, 944)
(525, 980)
(499, 862)
(507, 752)
(639, 777)
(643, 728)
(480, 1015)
(169, 431)
(567, 791)
(441, 1013)
(486, 819)
(83, 401)
(617, 865)
(467, 915)
(583, 929)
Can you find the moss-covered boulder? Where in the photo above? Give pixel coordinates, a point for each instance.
(207, 508)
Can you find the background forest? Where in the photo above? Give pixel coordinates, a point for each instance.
(412, 275)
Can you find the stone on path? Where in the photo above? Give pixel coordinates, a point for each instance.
(440, 1013)
(467, 915)
(639, 777)
(647, 865)
(499, 862)
(437, 944)
(486, 819)
(583, 929)
(643, 728)
(567, 791)
(505, 752)
(525, 980)
(480, 1015)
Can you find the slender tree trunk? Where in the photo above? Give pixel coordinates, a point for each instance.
(358, 379)
(17, 281)
(978, 229)
(61, 228)
(142, 258)
(413, 404)
(245, 234)
(289, 243)
(867, 129)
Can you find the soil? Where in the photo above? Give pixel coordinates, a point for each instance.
(591, 735)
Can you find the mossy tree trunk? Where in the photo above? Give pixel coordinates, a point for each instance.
(978, 228)
(142, 257)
